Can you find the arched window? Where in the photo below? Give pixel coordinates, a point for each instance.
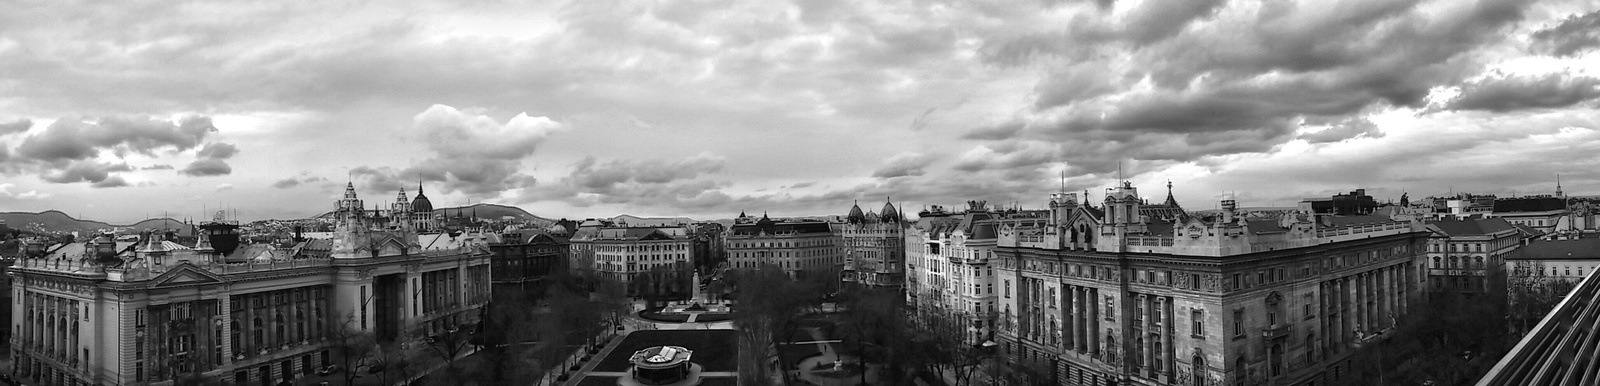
(1197, 367)
(1241, 374)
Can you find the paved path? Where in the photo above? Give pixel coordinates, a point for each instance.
(588, 368)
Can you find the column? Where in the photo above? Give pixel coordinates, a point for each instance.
(1069, 327)
(1082, 330)
(1147, 350)
(1092, 297)
(1168, 325)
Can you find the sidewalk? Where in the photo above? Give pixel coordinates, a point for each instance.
(577, 376)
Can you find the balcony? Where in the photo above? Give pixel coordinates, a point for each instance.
(1561, 349)
(1277, 331)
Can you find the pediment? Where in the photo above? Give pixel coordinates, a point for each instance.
(183, 275)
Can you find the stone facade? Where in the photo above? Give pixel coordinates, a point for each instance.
(101, 312)
(1096, 295)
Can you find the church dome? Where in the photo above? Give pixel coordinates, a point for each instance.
(888, 214)
(855, 216)
(421, 203)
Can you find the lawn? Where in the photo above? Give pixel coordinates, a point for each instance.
(660, 317)
(598, 381)
(794, 353)
(714, 350)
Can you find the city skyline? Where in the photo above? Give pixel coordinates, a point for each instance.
(705, 110)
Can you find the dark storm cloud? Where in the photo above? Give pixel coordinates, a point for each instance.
(207, 167)
(1510, 93)
(18, 126)
(1575, 34)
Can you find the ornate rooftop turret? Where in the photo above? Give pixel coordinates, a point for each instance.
(889, 214)
(855, 216)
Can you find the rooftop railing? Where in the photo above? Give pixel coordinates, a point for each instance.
(1561, 349)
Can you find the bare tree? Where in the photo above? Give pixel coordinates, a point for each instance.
(352, 346)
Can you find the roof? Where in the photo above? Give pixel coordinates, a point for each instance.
(1528, 232)
(782, 227)
(1362, 219)
(1529, 204)
(1579, 249)
(1471, 227)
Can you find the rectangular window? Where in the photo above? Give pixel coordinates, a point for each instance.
(1238, 324)
(1111, 309)
(1008, 289)
(1197, 323)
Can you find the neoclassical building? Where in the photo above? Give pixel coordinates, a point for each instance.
(1114, 294)
(800, 247)
(102, 312)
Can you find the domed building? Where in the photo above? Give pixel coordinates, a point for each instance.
(874, 247)
(422, 213)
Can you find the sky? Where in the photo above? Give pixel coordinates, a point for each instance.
(118, 111)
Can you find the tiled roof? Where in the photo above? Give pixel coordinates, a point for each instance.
(1530, 204)
(1471, 227)
(1558, 249)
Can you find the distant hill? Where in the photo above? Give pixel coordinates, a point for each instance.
(484, 211)
(55, 220)
(496, 212)
(637, 221)
(50, 220)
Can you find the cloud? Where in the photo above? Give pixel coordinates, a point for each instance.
(303, 178)
(1155, 20)
(668, 183)
(1006, 130)
(1573, 35)
(5, 191)
(77, 139)
(14, 127)
(902, 165)
(110, 182)
(376, 180)
(209, 161)
(217, 150)
(1347, 129)
(66, 151)
(85, 171)
(1510, 93)
(472, 153)
(207, 167)
(224, 187)
(157, 167)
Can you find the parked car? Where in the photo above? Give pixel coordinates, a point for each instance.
(330, 369)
